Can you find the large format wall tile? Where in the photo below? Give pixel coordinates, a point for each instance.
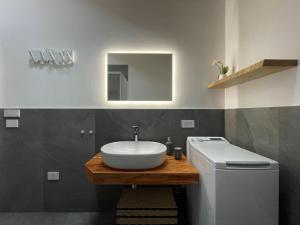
(254, 129)
(156, 125)
(66, 150)
(50, 140)
(21, 164)
(57, 218)
(289, 158)
(47, 140)
(274, 133)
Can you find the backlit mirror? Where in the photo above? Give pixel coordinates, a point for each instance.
(139, 77)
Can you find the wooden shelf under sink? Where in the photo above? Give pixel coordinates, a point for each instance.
(255, 71)
(172, 172)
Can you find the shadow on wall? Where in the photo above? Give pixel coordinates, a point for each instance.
(265, 95)
(160, 19)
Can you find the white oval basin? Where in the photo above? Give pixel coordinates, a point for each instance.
(131, 155)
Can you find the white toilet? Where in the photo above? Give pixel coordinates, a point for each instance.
(237, 187)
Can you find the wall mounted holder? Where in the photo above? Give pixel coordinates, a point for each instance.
(52, 57)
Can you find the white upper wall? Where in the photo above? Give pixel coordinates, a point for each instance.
(192, 29)
(258, 29)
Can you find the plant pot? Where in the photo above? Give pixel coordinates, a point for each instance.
(221, 76)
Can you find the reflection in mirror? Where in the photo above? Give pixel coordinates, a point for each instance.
(139, 77)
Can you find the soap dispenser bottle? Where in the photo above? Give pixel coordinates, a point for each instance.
(169, 145)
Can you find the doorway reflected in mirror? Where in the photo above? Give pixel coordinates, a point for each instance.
(139, 77)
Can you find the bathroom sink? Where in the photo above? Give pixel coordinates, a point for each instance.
(133, 155)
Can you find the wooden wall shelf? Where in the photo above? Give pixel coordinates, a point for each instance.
(258, 70)
(172, 172)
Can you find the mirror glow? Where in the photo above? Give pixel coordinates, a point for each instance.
(140, 77)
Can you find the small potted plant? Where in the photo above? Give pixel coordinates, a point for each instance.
(222, 68)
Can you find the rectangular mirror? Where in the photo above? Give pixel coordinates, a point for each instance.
(139, 77)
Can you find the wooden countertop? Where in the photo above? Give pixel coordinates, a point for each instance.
(172, 172)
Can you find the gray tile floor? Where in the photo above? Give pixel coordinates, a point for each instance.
(59, 218)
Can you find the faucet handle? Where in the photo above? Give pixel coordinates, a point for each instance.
(136, 128)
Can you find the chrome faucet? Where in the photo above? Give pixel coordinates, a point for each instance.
(136, 132)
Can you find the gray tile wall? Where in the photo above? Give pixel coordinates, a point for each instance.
(57, 218)
(156, 124)
(46, 140)
(275, 133)
(50, 139)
